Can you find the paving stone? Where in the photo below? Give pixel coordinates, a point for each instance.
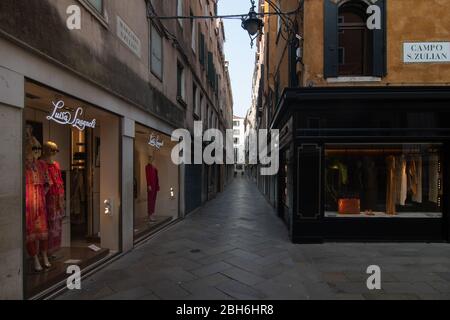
(239, 291)
(131, 294)
(235, 247)
(168, 290)
(242, 276)
(211, 269)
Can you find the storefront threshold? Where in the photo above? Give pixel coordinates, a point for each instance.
(155, 232)
(61, 287)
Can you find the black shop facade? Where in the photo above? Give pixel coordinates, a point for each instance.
(364, 164)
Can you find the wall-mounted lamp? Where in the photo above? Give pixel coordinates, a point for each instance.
(172, 193)
(108, 207)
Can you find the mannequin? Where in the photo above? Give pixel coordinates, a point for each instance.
(36, 216)
(152, 187)
(54, 197)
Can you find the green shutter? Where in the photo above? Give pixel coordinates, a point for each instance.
(379, 44)
(331, 39)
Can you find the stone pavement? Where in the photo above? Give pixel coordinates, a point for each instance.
(236, 248)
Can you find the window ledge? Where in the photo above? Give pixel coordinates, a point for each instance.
(353, 79)
(102, 18)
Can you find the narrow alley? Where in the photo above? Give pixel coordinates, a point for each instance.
(235, 247)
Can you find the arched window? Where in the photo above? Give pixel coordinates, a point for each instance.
(350, 48)
(355, 44)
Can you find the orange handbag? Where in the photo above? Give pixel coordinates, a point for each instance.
(349, 206)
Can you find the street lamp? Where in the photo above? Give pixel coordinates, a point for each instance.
(252, 24)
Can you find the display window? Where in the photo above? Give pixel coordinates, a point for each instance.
(388, 181)
(72, 194)
(156, 182)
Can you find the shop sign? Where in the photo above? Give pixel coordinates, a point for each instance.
(155, 141)
(426, 52)
(66, 117)
(128, 37)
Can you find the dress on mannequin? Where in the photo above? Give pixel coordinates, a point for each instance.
(35, 206)
(152, 187)
(55, 206)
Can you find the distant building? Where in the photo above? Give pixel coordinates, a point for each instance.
(239, 144)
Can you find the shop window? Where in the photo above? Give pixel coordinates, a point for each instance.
(156, 182)
(346, 33)
(72, 186)
(402, 181)
(156, 61)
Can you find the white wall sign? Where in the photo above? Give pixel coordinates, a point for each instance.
(128, 37)
(426, 52)
(65, 117)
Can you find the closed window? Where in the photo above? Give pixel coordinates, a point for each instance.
(180, 11)
(156, 61)
(355, 39)
(350, 48)
(196, 99)
(193, 34)
(97, 5)
(181, 89)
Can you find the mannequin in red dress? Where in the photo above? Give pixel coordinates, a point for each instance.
(151, 174)
(37, 182)
(54, 197)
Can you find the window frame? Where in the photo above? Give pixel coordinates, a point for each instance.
(154, 28)
(181, 84)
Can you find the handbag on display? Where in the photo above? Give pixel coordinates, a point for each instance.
(349, 206)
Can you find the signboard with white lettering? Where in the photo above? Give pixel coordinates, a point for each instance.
(62, 115)
(128, 37)
(426, 52)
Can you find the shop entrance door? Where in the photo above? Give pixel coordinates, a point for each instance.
(85, 187)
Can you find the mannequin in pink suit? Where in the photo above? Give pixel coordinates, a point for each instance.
(152, 187)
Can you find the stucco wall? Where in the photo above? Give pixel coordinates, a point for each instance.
(11, 243)
(407, 21)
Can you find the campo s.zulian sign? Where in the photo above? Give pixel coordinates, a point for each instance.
(65, 117)
(426, 52)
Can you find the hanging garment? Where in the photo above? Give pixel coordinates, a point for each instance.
(152, 187)
(433, 178)
(391, 191)
(415, 178)
(36, 180)
(401, 180)
(55, 206)
(370, 181)
(77, 197)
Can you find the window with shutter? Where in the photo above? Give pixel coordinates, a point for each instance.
(350, 48)
(330, 39)
(156, 63)
(201, 49)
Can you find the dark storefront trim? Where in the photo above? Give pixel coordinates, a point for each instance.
(311, 118)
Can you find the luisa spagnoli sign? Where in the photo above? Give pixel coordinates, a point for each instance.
(155, 141)
(65, 117)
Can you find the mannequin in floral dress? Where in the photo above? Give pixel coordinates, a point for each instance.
(36, 216)
(54, 197)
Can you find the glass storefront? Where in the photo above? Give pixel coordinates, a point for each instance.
(383, 180)
(72, 194)
(156, 182)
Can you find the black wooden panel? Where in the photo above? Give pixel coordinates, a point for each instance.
(309, 181)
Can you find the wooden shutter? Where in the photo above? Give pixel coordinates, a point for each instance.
(331, 39)
(379, 44)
